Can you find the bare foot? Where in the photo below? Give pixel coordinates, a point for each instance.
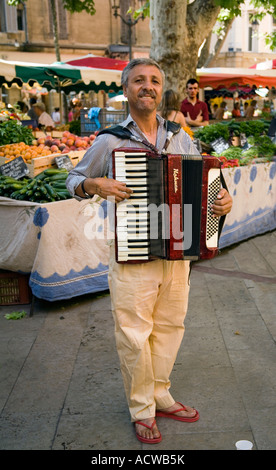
(179, 412)
(145, 432)
(186, 412)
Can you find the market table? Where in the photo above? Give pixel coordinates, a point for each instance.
(253, 189)
(63, 245)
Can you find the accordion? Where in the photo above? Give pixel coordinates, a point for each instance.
(168, 215)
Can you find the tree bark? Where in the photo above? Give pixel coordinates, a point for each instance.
(55, 29)
(178, 29)
(212, 55)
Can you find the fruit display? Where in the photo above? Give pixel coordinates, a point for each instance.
(47, 145)
(66, 143)
(48, 186)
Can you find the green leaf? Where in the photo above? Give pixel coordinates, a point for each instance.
(15, 315)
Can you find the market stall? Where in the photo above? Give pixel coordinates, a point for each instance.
(63, 244)
(60, 76)
(214, 77)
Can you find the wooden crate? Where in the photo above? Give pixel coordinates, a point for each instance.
(14, 288)
(40, 164)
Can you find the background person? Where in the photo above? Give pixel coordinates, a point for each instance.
(31, 111)
(215, 108)
(221, 110)
(236, 110)
(170, 106)
(249, 113)
(44, 119)
(56, 116)
(195, 111)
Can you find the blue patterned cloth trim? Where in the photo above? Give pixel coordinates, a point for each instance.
(261, 221)
(57, 287)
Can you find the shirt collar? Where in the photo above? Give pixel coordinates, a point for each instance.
(130, 120)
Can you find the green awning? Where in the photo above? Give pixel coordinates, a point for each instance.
(60, 77)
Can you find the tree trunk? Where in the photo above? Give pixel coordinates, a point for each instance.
(178, 29)
(55, 29)
(212, 55)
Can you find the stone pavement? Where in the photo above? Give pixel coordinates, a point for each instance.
(61, 386)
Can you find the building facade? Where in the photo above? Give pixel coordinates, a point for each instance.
(26, 32)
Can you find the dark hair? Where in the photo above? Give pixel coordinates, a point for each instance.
(139, 61)
(32, 101)
(170, 102)
(191, 81)
(22, 106)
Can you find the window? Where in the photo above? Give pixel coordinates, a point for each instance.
(20, 19)
(11, 18)
(253, 34)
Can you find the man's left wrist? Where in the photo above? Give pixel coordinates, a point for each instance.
(86, 194)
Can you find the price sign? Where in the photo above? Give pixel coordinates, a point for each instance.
(64, 161)
(16, 168)
(219, 145)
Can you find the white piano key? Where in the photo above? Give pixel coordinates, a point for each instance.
(125, 257)
(122, 244)
(131, 166)
(123, 236)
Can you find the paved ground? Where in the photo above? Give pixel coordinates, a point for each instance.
(62, 388)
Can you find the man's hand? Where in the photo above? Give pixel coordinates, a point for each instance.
(223, 204)
(106, 188)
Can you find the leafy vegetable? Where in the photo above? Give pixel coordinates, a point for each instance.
(266, 148)
(75, 127)
(15, 315)
(12, 132)
(212, 132)
(231, 152)
(233, 127)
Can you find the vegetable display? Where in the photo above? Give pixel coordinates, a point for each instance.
(259, 147)
(13, 132)
(48, 186)
(227, 129)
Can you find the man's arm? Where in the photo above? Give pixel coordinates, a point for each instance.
(196, 122)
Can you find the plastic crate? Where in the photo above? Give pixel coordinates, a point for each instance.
(106, 118)
(14, 288)
(29, 122)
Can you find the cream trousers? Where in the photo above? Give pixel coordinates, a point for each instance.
(149, 303)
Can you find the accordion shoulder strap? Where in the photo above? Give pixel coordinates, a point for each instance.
(118, 131)
(124, 133)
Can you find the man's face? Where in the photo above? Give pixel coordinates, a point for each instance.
(192, 90)
(144, 88)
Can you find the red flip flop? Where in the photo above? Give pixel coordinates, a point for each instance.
(146, 440)
(172, 415)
